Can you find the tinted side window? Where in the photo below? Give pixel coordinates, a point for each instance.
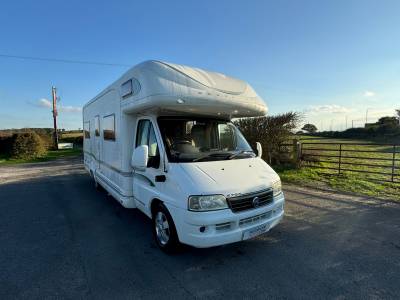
(97, 126)
(86, 129)
(109, 127)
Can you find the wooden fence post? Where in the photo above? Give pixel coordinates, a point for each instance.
(393, 162)
(340, 157)
(297, 152)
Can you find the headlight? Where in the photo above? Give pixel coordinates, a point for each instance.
(277, 188)
(206, 203)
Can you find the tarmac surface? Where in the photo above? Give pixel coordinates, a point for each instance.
(61, 238)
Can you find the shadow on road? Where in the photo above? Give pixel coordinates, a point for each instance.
(61, 238)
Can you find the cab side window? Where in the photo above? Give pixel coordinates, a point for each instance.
(142, 136)
(147, 136)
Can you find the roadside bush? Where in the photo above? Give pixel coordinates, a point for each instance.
(271, 132)
(27, 145)
(6, 145)
(47, 140)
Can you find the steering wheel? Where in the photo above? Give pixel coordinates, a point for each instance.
(180, 142)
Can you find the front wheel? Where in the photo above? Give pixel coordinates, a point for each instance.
(164, 230)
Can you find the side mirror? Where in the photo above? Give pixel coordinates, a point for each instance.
(259, 149)
(139, 157)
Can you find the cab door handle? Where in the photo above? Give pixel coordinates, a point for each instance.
(160, 178)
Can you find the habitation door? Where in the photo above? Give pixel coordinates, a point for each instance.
(145, 187)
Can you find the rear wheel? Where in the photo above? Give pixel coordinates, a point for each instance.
(96, 183)
(98, 186)
(164, 230)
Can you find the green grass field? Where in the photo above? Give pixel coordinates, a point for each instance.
(378, 158)
(50, 155)
(70, 135)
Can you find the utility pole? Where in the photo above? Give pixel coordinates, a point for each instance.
(346, 123)
(55, 134)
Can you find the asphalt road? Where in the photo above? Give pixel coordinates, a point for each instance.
(60, 238)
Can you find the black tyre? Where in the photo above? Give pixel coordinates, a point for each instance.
(97, 185)
(164, 230)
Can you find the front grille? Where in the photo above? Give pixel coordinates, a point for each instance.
(246, 202)
(255, 219)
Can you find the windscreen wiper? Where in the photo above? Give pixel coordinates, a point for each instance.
(212, 155)
(239, 153)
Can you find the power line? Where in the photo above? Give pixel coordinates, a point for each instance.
(69, 61)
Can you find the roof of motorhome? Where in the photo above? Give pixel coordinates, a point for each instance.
(210, 79)
(161, 78)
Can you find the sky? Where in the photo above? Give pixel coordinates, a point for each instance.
(329, 60)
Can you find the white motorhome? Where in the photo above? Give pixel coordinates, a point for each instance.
(160, 139)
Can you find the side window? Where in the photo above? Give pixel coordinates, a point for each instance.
(142, 137)
(147, 136)
(97, 126)
(86, 130)
(153, 146)
(109, 127)
(130, 88)
(126, 88)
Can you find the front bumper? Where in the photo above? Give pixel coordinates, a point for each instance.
(223, 226)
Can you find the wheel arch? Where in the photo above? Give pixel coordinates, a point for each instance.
(156, 201)
(153, 204)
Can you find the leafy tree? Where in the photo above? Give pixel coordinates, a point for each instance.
(398, 113)
(311, 128)
(388, 121)
(270, 131)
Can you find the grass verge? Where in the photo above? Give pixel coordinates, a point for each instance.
(347, 182)
(50, 155)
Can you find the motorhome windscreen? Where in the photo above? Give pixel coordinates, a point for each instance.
(202, 139)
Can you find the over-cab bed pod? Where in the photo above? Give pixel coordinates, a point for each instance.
(160, 86)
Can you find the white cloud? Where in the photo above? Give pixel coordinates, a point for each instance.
(328, 108)
(44, 103)
(67, 109)
(369, 94)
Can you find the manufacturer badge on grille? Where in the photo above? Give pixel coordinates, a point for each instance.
(256, 202)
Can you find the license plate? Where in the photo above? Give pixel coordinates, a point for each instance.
(251, 233)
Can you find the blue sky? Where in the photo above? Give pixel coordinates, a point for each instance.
(327, 59)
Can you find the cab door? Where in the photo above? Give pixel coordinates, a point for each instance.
(145, 185)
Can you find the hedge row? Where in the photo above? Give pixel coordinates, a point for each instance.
(25, 145)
